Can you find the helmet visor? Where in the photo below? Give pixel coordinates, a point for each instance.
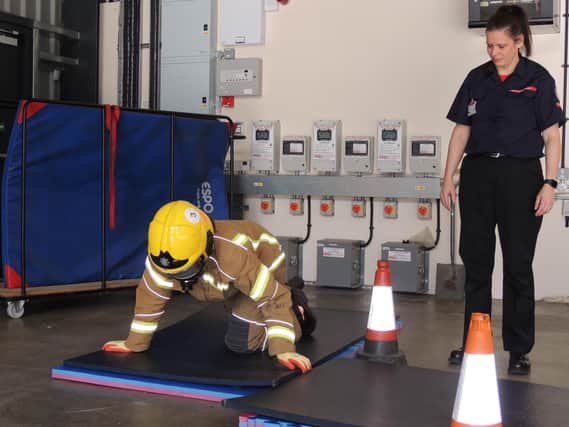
(191, 273)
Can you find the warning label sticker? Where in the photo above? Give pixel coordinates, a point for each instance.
(404, 256)
(333, 252)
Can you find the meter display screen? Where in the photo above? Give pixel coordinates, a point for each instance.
(324, 135)
(531, 7)
(423, 148)
(356, 148)
(293, 148)
(262, 135)
(389, 134)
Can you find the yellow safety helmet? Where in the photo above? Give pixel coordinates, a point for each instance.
(180, 239)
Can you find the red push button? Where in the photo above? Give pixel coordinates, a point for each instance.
(388, 209)
(294, 206)
(423, 211)
(356, 209)
(324, 207)
(265, 205)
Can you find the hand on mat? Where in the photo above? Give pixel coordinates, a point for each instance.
(293, 360)
(116, 347)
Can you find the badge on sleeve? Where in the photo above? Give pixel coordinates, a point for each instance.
(472, 108)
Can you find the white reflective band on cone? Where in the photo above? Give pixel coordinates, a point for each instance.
(477, 402)
(381, 312)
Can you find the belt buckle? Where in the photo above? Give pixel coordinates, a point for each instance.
(495, 155)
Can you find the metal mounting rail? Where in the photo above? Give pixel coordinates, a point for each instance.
(349, 186)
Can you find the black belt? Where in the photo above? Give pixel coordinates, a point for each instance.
(491, 155)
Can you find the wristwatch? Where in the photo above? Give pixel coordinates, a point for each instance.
(550, 182)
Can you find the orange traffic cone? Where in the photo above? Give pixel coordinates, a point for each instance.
(381, 336)
(477, 402)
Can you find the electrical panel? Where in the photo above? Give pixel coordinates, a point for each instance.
(542, 14)
(240, 77)
(357, 156)
(326, 146)
(293, 252)
(265, 146)
(295, 154)
(188, 28)
(425, 155)
(188, 37)
(339, 263)
(391, 142)
(242, 22)
(409, 266)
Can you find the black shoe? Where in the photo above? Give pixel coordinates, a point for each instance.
(303, 313)
(519, 364)
(455, 357)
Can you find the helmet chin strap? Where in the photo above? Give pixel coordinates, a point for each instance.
(188, 284)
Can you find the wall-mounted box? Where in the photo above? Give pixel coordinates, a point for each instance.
(543, 15)
(339, 263)
(242, 22)
(240, 77)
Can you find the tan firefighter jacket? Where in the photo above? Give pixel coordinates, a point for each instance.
(246, 271)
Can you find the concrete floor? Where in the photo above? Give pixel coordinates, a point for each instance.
(66, 326)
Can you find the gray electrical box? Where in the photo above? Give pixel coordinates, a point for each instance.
(425, 155)
(188, 37)
(357, 155)
(293, 253)
(197, 97)
(240, 77)
(265, 146)
(543, 15)
(409, 266)
(339, 263)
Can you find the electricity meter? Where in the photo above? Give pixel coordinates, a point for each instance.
(390, 146)
(326, 145)
(295, 154)
(265, 146)
(425, 155)
(357, 155)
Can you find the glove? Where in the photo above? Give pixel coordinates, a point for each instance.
(291, 360)
(116, 347)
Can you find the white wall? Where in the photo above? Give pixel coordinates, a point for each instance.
(365, 60)
(360, 61)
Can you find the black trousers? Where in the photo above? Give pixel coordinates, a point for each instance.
(500, 192)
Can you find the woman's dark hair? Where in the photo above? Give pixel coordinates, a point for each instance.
(513, 19)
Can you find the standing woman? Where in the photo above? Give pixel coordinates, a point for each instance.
(506, 112)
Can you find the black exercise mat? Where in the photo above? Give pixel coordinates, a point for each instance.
(193, 351)
(348, 392)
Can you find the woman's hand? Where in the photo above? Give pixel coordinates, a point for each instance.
(544, 200)
(448, 193)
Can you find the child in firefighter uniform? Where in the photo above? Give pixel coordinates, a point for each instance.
(238, 262)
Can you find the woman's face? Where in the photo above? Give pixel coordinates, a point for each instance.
(503, 49)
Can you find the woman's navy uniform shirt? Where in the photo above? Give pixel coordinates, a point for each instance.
(507, 117)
